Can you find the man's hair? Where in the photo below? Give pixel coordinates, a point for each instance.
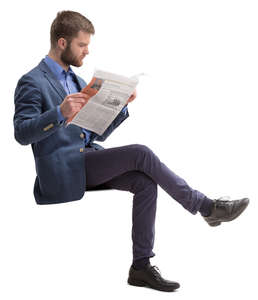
(67, 24)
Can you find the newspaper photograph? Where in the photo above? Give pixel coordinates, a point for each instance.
(109, 94)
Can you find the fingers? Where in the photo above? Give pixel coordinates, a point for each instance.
(76, 105)
(79, 95)
(73, 103)
(75, 108)
(132, 97)
(78, 98)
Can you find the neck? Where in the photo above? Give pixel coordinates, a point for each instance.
(56, 57)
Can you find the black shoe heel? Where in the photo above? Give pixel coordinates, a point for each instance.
(214, 223)
(135, 282)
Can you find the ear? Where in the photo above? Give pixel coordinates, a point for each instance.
(62, 43)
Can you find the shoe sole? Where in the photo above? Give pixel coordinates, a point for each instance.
(214, 223)
(217, 223)
(140, 283)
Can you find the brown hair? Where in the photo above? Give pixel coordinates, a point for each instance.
(67, 24)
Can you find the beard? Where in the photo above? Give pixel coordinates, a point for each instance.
(69, 58)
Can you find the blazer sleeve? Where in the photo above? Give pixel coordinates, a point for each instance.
(30, 123)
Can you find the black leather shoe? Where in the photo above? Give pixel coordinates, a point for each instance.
(150, 277)
(225, 211)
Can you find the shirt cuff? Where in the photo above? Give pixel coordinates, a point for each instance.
(124, 110)
(60, 117)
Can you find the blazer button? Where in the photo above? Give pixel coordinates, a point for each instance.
(81, 149)
(82, 135)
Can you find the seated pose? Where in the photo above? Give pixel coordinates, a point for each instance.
(68, 162)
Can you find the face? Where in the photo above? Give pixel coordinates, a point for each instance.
(75, 51)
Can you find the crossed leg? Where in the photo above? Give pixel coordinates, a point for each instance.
(135, 168)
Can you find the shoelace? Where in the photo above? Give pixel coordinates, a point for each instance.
(223, 199)
(156, 272)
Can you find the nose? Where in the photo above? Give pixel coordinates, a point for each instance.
(86, 51)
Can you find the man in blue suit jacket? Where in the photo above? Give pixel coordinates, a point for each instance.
(68, 162)
(58, 150)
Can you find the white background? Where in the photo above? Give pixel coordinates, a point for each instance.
(196, 110)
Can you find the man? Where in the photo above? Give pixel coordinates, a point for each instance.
(68, 162)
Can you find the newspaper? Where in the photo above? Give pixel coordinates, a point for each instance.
(109, 94)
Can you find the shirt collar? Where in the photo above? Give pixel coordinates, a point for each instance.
(58, 71)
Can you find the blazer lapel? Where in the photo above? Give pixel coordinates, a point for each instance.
(52, 80)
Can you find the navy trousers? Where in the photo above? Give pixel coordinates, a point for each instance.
(135, 168)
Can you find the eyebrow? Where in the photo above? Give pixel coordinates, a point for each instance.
(83, 44)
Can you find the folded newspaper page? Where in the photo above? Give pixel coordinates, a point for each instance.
(109, 94)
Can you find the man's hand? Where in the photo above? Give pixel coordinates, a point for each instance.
(73, 103)
(132, 97)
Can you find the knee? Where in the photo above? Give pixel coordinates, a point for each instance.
(139, 148)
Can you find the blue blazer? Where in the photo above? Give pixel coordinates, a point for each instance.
(58, 150)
